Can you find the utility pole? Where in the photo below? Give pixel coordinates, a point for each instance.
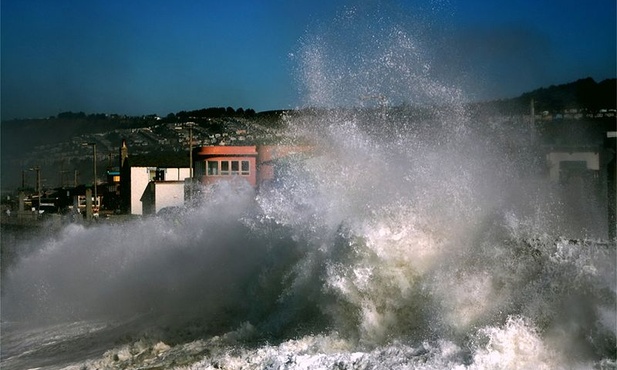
(611, 185)
(190, 126)
(109, 163)
(61, 173)
(94, 170)
(190, 189)
(96, 203)
(64, 179)
(38, 187)
(533, 120)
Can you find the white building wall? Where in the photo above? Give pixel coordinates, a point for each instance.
(177, 174)
(168, 194)
(592, 160)
(141, 176)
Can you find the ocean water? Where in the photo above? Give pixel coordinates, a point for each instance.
(367, 254)
(398, 243)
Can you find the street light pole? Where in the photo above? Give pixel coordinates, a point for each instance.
(189, 191)
(94, 170)
(38, 188)
(190, 126)
(96, 201)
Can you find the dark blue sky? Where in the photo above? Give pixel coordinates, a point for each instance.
(143, 57)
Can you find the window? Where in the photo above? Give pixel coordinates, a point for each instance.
(224, 168)
(200, 169)
(160, 174)
(213, 168)
(151, 174)
(235, 167)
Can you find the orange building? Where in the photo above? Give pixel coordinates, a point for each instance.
(215, 163)
(255, 164)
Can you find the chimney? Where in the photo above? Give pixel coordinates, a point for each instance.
(124, 153)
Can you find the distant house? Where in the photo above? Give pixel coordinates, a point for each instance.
(135, 178)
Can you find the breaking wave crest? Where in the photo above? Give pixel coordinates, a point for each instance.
(393, 245)
(350, 258)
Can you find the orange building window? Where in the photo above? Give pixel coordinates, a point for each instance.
(235, 167)
(226, 168)
(213, 168)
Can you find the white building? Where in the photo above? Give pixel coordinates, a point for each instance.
(140, 177)
(162, 194)
(558, 161)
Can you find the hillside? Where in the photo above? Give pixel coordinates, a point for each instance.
(56, 143)
(585, 95)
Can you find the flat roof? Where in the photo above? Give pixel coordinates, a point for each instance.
(223, 150)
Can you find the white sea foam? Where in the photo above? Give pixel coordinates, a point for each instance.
(401, 242)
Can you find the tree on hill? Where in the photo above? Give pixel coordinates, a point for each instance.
(71, 115)
(214, 112)
(582, 94)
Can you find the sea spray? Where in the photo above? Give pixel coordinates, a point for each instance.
(411, 236)
(316, 261)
